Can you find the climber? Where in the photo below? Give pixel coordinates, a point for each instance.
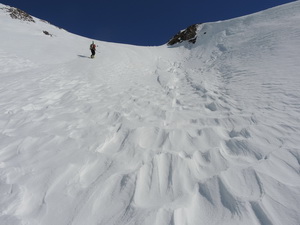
(93, 49)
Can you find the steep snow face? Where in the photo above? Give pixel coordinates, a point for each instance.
(204, 133)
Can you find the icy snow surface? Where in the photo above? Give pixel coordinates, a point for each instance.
(184, 135)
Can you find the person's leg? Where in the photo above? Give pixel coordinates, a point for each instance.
(93, 53)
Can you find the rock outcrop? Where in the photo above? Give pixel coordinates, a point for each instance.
(189, 34)
(19, 14)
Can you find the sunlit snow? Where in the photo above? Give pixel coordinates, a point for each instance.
(193, 134)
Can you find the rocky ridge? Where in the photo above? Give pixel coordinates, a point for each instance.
(189, 34)
(19, 14)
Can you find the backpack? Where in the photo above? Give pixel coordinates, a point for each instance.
(92, 47)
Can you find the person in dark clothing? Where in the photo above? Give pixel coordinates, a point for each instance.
(93, 49)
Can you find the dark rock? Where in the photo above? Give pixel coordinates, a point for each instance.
(19, 14)
(47, 33)
(189, 34)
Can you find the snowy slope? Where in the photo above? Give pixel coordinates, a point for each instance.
(183, 135)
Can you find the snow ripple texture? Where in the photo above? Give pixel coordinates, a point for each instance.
(185, 135)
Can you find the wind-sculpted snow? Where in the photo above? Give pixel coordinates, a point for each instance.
(194, 134)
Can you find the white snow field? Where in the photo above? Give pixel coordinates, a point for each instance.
(193, 134)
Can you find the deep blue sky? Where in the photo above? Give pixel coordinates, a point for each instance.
(137, 22)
